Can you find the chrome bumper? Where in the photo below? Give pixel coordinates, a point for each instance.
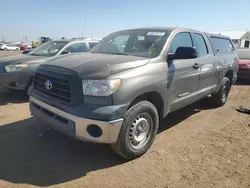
(75, 126)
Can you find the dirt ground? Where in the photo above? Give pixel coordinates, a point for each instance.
(9, 53)
(206, 148)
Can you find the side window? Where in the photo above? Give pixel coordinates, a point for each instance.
(77, 47)
(200, 44)
(222, 44)
(181, 40)
(92, 44)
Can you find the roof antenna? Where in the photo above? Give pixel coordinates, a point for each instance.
(91, 32)
(83, 26)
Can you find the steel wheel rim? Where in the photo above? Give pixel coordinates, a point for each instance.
(140, 131)
(225, 91)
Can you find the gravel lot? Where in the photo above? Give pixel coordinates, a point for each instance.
(9, 53)
(206, 148)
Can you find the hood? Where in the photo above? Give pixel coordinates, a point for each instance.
(19, 59)
(95, 65)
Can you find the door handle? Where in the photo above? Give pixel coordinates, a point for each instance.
(196, 66)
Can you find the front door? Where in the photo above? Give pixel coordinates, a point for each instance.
(183, 75)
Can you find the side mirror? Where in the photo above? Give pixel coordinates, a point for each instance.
(184, 53)
(65, 52)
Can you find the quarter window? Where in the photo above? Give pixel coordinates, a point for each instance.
(222, 44)
(200, 45)
(181, 40)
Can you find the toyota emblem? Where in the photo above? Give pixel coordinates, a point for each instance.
(48, 85)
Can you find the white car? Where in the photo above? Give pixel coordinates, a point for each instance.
(29, 45)
(9, 47)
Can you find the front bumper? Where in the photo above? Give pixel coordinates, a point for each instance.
(15, 80)
(75, 126)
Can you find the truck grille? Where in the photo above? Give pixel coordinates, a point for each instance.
(56, 88)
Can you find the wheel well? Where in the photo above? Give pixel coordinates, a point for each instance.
(230, 75)
(153, 97)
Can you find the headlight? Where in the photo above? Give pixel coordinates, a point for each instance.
(100, 87)
(13, 68)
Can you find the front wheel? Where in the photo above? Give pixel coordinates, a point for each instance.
(138, 130)
(5, 49)
(220, 98)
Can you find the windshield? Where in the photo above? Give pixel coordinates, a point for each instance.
(244, 54)
(139, 42)
(49, 48)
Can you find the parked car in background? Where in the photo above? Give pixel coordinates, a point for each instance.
(16, 72)
(120, 91)
(24, 47)
(29, 45)
(9, 47)
(27, 51)
(244, 63)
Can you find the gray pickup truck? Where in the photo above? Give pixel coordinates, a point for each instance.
(119, 91)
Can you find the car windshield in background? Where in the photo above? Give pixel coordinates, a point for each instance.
(139, 42)
(49, 48)
(244, 54)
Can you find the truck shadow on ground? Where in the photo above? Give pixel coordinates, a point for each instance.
(55, 158)
(7, 97)
(180, 115)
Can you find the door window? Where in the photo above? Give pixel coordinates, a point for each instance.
(181, 40)
(200, 45)
(77, 47)
(246, 44)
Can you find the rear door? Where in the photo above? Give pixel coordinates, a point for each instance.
(206, 61)
(182, 76)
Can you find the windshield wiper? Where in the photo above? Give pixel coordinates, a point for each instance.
(119, 53)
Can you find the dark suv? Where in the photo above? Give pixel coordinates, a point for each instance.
(119, 92)
(16, 72)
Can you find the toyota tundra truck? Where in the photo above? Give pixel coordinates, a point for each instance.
(119, 92)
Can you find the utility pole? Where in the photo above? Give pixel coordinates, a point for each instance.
(83, 28)
(91, 33)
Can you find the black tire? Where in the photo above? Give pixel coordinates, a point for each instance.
(140, 113)
(220, 98)
(5, 49)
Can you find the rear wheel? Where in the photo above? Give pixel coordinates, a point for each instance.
(138, 131)
(220, 98)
